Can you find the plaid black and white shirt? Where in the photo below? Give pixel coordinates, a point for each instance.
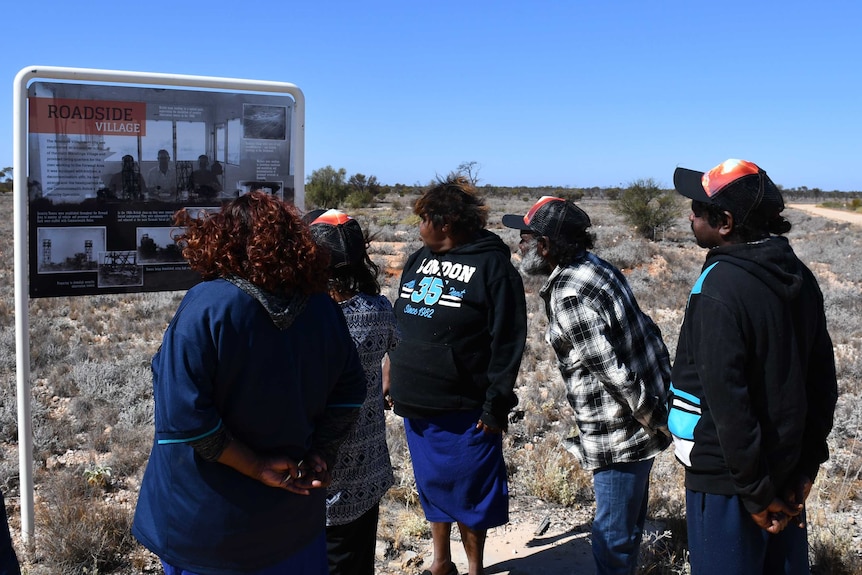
(613, 361)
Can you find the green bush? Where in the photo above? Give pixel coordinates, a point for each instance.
(359, 199)
(330, 188)
(647, 207)
(326, 187)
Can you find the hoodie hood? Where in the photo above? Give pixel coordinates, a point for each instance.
(282, 309)
(771, 260)
(485, 242)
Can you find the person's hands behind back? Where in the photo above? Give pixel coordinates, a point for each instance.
(490, 429)
(776, 516)
(296, 477)
(279, 472)
(796, 494)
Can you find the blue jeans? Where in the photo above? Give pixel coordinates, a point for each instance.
(724, 539)
(622, 492)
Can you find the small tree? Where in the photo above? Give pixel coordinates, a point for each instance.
(362, 191)
(326, 187)
(647, 207)
(470, 170)
(364, 184)
(6, 180)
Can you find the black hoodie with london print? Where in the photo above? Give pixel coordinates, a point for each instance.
(462, 316)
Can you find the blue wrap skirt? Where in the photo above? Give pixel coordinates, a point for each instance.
(460, 472)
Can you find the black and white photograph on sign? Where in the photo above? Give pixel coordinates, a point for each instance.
(126, 184)
(264, 122)
(157, 245)
(68, 250)
(119, 268)
(127, 157)
(204, 183)
(273, 188)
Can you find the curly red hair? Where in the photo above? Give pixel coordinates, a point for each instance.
(256, 237)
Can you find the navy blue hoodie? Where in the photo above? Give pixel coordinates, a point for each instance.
(463, 323)
(753, 383)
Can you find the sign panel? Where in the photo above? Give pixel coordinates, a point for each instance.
(109, 166)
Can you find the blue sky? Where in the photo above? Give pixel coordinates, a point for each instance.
(578, 93)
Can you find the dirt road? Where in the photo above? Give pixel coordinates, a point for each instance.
(839, 215)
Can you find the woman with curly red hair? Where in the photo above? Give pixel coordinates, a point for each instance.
(256, 384)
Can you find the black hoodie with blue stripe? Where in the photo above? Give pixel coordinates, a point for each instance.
(753, 384)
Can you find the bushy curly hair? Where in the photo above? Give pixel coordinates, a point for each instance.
(454, 201)
(257, 237)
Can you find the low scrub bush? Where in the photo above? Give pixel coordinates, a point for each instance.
(78, 531)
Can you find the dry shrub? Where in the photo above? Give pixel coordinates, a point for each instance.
(627, 253)
(130, 449)
(833, 553)
(79, 532)
(8, 410)
(7, 346)
(410, 524)
(551, 473)
(9, 479)
(664, 552)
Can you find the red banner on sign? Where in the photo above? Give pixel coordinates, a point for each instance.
(92, 117)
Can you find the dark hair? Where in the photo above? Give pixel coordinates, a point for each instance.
(566, 249)
(257, 237)
(358, 275)
(456, 202)
(759, 224)
(715, 215)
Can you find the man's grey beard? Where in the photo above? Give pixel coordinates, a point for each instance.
(532, 264)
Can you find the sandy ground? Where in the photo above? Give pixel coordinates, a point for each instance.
(832, 214)
(516, 550)
(522, 547)
(540, 538)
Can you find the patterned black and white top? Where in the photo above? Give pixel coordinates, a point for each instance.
(363, 471)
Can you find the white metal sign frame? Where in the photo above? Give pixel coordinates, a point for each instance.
(20, 199)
